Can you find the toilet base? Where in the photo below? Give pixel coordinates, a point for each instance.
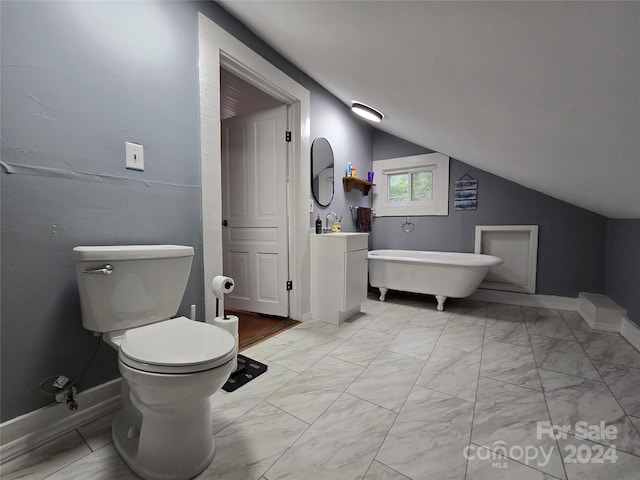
(160, 437)
(163, 447)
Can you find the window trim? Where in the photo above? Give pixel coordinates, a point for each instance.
(436, 163)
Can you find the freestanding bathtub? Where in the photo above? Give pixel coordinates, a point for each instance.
(443, 274)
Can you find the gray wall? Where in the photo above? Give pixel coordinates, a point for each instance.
(623, 265)
(571, 242)
(76, 84)
(351, 141)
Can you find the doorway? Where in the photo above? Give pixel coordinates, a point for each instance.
(217, 48)
(254, 197)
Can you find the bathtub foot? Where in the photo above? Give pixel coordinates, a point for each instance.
(383, 293)
(441, 299)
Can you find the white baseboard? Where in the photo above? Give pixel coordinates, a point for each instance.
(607, 317)
(526, 299)
(29, 431)
(631, 332)
(600, 312)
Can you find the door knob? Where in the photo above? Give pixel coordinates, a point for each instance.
(224, 223)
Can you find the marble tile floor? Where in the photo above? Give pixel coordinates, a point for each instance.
(404, 392)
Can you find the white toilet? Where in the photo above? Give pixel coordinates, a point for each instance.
(170, 366)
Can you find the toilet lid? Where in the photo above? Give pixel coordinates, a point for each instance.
(178, 345)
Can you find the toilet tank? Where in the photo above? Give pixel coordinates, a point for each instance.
(131, 285)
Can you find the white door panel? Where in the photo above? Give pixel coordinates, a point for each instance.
(237, 266)
(254, 203)
(267, 265)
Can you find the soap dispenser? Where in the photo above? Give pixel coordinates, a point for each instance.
(318, 225)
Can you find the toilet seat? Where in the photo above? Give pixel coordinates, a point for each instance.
(176, 346)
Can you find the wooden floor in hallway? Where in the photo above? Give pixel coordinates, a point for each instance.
(254, 328)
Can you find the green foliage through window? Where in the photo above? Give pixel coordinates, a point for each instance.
(419, 190)
(421, 186)
(398, 188)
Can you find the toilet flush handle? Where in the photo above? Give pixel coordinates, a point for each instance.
(106, 270)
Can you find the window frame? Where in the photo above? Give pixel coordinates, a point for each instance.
(436, 163)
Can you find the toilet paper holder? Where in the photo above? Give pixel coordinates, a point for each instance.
(221, 285)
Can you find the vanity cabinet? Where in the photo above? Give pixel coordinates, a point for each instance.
(338, 275)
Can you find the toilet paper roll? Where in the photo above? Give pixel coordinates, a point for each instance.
(230, 324)
(221, 285)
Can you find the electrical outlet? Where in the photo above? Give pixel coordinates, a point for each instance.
(134, 154)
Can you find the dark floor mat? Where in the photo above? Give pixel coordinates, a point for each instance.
(247, 370)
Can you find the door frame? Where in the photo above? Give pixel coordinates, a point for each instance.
(219, 48)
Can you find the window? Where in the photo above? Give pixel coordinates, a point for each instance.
(417, 185)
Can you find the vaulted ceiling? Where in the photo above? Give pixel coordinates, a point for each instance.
(546, 94)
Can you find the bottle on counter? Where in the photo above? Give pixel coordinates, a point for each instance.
(318, 225)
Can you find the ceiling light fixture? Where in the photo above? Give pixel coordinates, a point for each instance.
(365, 111)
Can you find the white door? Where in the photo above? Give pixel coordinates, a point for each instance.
(254, 211)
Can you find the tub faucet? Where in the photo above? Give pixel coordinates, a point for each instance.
(334, 218)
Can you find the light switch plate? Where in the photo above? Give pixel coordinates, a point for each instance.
(311, 205)
(134, 154)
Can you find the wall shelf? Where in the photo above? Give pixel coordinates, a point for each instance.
(354, 182)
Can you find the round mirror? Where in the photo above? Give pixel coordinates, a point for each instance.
(322, 171)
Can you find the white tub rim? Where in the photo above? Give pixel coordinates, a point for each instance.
(436, 257)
